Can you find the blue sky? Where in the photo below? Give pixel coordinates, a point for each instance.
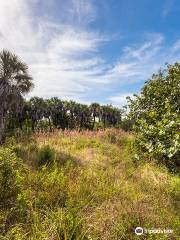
(91, 51)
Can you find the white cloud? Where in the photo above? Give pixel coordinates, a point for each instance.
(147, 50)
(63, 53)
(120, 99)
(84, 10)
(176, 46)
(138, 63)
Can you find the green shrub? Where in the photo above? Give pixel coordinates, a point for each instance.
(156, 112)
(10, 179)
(46, 155)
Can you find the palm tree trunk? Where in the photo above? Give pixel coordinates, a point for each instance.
(94, 120)
(2, 128)
(50, 126)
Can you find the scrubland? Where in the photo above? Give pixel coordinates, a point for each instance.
(83, 185)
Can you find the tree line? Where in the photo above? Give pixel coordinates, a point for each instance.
(55, 113)
(38, 113)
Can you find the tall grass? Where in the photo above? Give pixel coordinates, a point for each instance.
(93, 188)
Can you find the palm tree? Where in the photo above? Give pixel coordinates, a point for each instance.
(95, 109)
(15, 81)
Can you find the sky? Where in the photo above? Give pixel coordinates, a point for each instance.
(91, 50)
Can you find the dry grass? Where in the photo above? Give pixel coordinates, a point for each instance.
(96, 179)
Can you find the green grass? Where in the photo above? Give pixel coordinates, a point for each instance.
(93, 188)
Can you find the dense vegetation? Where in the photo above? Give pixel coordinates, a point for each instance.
(40, 114)
(156, 114)
(67, 170)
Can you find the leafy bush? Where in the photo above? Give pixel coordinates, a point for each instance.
(156, 112)
(46, 155)
(10, 179)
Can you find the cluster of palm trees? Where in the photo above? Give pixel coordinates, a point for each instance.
(16, 112)
(40, 114)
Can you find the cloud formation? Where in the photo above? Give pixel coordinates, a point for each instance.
(61, 55)
(63, 52)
